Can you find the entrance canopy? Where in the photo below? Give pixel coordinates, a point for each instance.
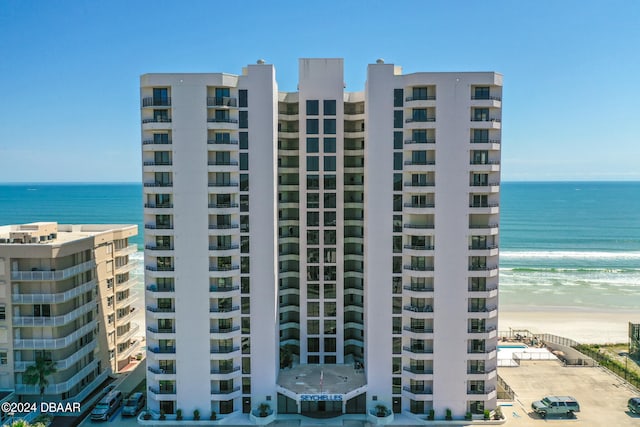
(322, 382)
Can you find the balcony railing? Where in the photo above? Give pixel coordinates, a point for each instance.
(424, 330)
(224, 330)
(482, 267)
(223, 141)
(485, 98)
(420, 226)
(161, 309)
(223, 205)
(228, 391)
(482, 226)
(224, 101)
(419, 309)
(224, 350)
(225, 370)
(485, 309)
(156, 102)
(419, 205)
(223, 248)
(223, 226)
(485, 390)
(159, 268)
(486, 288)
(419, 288)
(161, 330)
(484, 162)
(158, 205)
(224, 267)
(154, 163)
(484, 205)
(485, 119)
(53, 274)
(483, 184)
(54, 343)
(415, 370)
(480, 350)
(162, 390)
(42, 321)
(484, 141)
(417, 390)
(224, 184)
(159, 248)
(419, 247)
(165, 371)
(163, 288)
(21, 298)
(418, 268)
(162, 350)
(158, 184)
(481, 330)
(224, 309)
(213, 288)
(221, 120)
(420, 141)
(420, 98)
(222, 163)
(152, 141)
(157, 120)
(420, 163)
(483, 247)
(420, 119)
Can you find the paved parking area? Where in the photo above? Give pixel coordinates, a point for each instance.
(602, 396)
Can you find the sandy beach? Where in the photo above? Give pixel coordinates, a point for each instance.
(584, 326)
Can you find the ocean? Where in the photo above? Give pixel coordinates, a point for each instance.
(563, 244)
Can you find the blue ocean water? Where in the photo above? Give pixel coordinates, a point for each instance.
(563, 244)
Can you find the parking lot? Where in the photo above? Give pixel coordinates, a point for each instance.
(602, 396)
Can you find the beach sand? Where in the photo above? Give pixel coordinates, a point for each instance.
(584, 326)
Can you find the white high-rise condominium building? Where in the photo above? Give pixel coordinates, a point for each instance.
(321, 252)
(65, 297)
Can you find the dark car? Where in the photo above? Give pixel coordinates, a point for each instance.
(135, 403)
(634, 405)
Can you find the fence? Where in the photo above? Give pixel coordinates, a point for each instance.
(504, 391)
(618, 368)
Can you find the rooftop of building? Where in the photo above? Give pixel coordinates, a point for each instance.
(47, 233)
(314, 379)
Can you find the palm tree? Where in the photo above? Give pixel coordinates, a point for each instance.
(37, 374)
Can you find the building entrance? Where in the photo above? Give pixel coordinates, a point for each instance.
(321, 409)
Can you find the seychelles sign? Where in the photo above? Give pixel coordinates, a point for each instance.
(321, 397)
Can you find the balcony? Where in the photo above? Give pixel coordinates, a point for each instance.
(224, 371)
(420, 98)
(162, 350)
(223, 141)
(156, 102)
(155, 330)
(223, 289)
(161, 309)
(481, 350)
(224, 184)
(52, 274)
(419, 205)
(423, 330)
(224, 330)
(128, 334)
(224, 101)
(418, 268)
(420, 141)
(224, 350)
(223, 226)
(159, 248)
(158, 184)
(163, 288)
(159, 142)
(159, 268)
(415, 288)
(223, 205)
(225, 391)
(224, 309)
(20, 298)
(222, 163)
(417, 390)
(486, 119)
(419, 309)
(420, 248)
(420, 226)
(59, 388)
(420, 119)
(224, 267)
(154, 163)
(485, 98)
(221, 120)
(54, 343)
(416, 370)
(484, 141)
(42, 321)
(165, 371)
(157, 120)
(162, 390)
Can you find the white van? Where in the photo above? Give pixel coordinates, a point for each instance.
(107, 406)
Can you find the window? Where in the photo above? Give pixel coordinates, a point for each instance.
(481, 92)
(3, 309)
(244, 203)
(330, 126)
(397, 223)
(244, 285)
(398, 94)
(313, 163)
(44, 310)
(313, 237)
(244, 161)
(397, 185)
(329, 107)
(313, 345)
(313, 255)
(329, 145)
(160, 138)
(243, 119)
(313, 291)
(313, 309)
(397, 244)
(330, 237)
(244, 244)
(329, 182)
(313, 200)
(397, 161)
(330, 309)
(330, 345)
(244, 140)
(330, 163)
(313, 327)
(397, 119)
(330, 289)
(313, 219)
(312, 107)
(480, 135)
(244, 182)
(312, 145)
(480, 114)
(397, 264)
(397, 140)
(313, 182)
(242, 98)
(397, 202)
(160, 96)
(312, 126)
(330, 219)
(329, 200)
(3, 358)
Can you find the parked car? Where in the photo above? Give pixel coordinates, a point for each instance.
(634, 405)
(134, 403)
(107, 406)
(556, 405)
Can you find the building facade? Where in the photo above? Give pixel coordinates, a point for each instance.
(321, 252)
(65, 297)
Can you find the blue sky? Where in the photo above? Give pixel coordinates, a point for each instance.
(69, 72)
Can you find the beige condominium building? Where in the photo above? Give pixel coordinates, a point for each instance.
(321, 253)
(65, 296)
